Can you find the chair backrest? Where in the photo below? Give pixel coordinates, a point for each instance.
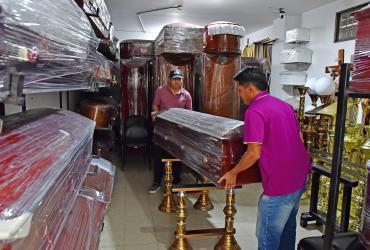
(136, 131)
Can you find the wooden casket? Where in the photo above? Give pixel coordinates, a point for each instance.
(208, 144)
(57, 52)
(84, 225)
(44, 158)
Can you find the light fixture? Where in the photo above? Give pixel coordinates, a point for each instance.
(178, 7)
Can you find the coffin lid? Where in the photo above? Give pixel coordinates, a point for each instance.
(215, 126)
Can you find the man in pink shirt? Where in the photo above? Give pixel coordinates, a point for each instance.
(171, 95)
(272, 133)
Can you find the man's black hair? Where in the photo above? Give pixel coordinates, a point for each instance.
(254, 76)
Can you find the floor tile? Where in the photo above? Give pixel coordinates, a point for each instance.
(133, 221)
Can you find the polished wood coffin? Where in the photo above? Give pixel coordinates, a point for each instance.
(208, 144)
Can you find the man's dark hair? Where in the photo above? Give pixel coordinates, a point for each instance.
(252, 76)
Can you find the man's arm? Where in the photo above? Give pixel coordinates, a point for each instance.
(155, 110)
(250, 157)
(189, 103)
(155, 106)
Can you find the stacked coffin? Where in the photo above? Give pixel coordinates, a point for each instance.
(179, 46)
(84, 224)
(136, 77)
(221, 61)
(45, 157)
(57, 52)
(208, 144)
(361, 73)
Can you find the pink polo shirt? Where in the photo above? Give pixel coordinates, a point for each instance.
(284, 161)
(164, 99)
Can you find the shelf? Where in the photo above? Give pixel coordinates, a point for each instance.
(324, 157)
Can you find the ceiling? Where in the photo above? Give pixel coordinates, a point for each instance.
(253, 14)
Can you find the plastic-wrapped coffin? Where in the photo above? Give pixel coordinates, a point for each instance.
(179, 38)
(210, 145)
(84, 225)
(50, 42)
(221, 61)
(101, 178)
(361, 72)
(131, 49)
(45, 155)
(99, 16)
(136, 77)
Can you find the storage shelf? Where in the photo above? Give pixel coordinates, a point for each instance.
(326, 158)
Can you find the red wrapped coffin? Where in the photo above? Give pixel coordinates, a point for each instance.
(208, 144)
(50, 42)
(136, 77)
(44, 158)
(84, 225)
(100, 178)
(361, 73)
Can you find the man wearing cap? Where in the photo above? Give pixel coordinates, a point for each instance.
(171, 95)
(272, 133)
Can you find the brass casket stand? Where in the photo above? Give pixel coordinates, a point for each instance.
(211, 146)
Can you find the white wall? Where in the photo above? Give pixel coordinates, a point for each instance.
(258, 35)
(126, 35)
(321, 21)
(46, 100)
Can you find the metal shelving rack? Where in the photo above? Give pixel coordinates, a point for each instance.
(336, 170)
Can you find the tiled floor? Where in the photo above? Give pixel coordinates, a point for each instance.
(133, 221)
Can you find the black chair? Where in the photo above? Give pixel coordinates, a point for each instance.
(342, 241)
(136, 135)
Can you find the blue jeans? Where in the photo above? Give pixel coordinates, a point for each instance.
(276, 222)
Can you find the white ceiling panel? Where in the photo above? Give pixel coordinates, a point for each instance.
(253, 14)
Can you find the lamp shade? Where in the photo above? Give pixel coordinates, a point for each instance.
(325, 86)
(310, 84)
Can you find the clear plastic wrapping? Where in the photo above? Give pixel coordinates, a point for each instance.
(297, 35)
(98, 13)
(219, 91)
(179, 38)
(45, 155)
(84, 225)
(365, 231)
(101, 179)
(361, 73)
(50, 42)
(296, 55)
(136, 79)
(210, 145)
(131, 49)
(223, 28)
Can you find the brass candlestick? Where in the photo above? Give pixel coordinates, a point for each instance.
(228, 241)
(204, 203)
(325, 99)
(181, 242)
(302, 93)
(168, 204)
(314, 99)
(309, 132)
